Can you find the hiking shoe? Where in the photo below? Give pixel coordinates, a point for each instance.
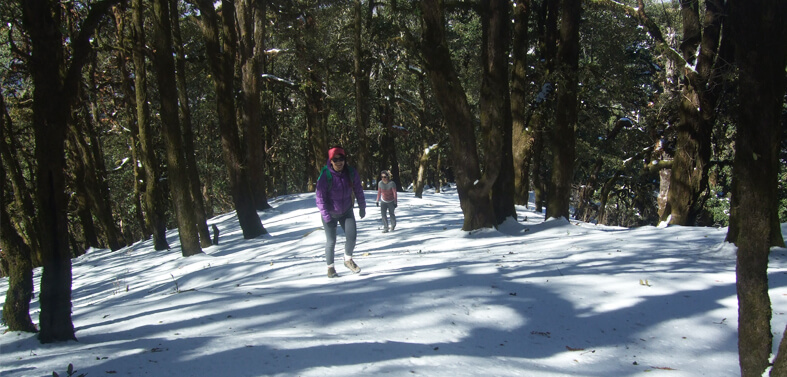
(385, 230)
(352, 266)
(332, 273)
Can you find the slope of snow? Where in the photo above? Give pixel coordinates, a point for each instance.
(533, 298)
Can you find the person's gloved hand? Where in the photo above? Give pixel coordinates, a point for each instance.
(396, 204)
(377, 203)
(362, 212)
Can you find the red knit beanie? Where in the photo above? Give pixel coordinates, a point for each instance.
(335, 151)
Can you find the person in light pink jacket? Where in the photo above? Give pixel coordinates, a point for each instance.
(386, 190)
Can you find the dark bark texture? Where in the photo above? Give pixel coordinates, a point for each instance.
(522, 138)
(154, 203)
(564, 133)
(55, 88)
(496, 107)
(176, 158)
(17, 266)
(688, 189)
(192, 172)
(221, 53)
(760, 38)
(361, 71)
(473, 191)
(251, 16)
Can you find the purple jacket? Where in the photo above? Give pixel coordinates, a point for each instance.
(339, 200)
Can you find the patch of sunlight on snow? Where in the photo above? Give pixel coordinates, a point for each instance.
(480, 270)
(425, 275)
(611, 306)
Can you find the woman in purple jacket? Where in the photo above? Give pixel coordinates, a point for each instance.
(337, 185)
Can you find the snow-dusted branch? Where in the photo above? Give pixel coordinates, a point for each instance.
(279, 80)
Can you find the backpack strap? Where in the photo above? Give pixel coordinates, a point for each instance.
(325, 171)
(352, 189)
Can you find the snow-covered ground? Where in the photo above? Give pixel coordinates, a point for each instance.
(535, 298)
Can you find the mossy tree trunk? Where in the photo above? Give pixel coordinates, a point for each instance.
(522, 135)
(154, 203)
(16, 258)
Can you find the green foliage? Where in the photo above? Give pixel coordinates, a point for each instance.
(619, 83)
(717, 210)
(621, 77)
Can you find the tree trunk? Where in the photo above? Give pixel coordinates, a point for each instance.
(19, 270)
(81, 198)
(22, 196)
(50, 111)
(780, 362)
(548, 41)
(192, 173)
(18, 265)
(96, 191)
(420, 181)
(539, 170)
(439, 182)
(473, 190)
(102, 205)
(425, 173)
(268, 108)
(495, 106)
(664, 182)
(604, 197)
(317, 128)
(131, 103)
(222, 64)
(522, 138)
(389, 158)
(361, 74)
(585, 200)
(564, 134)
(154, 203)
(760, 37)
(689, 188)
(55, 87)
(176, 157)
(251, 17)
(314, 92)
